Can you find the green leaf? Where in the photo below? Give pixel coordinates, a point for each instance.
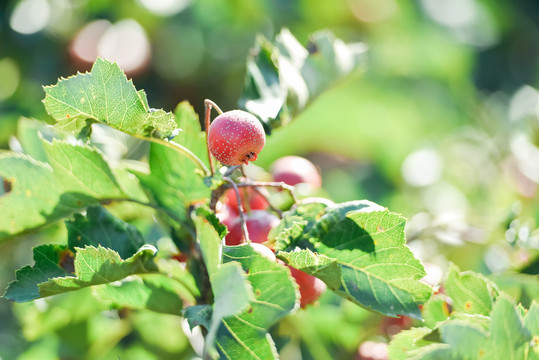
(105, 96)
(48, 264)
(210, 244)
(160, 334)
(362, 256)
(284, 77)
(521, 287)
(77, 177)
(531, 322)
(326, 268)
(479, 320)
(467, 340)
(245, 335)
(156, 292)
(191, 136)
(406, 341)
(175, 181)
(292, 227)
(37, 323)
(29, 134)
(99, 227)
(210, 216)
(335, 214)
(232, 294)
(503, 335)
(470, 292)
(199, 315)
(307, 222)
(98, 265)
(32, 195)
(174, 270)
(81, 169)
(509, 338)
(435, 310)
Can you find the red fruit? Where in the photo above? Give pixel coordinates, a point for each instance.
(180, 257)
(310, 287)
(259, 223)
(236, 137)
(293, 170)
(256, 201)
(226, 214)
(392, 326)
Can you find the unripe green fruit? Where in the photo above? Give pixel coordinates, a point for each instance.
(236, 137)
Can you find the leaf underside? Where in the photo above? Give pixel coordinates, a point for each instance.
(283, 77)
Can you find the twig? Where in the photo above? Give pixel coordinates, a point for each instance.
(208, 105)
(183, 150)
(231, 169)
(275, 184)
(240, 209)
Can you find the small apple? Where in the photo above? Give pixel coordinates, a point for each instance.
(236, 137)
(255, 200)
(258, 222)
(310, 287)
(293, 170)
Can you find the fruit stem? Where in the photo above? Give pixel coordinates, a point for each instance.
(182, 149)
(231, 169)
(240, 209)
(275, 184)
(208, 105)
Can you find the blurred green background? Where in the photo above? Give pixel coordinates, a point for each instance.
(443, 127)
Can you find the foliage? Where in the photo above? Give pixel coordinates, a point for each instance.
(442, 129)
(482, 324)
(240, 293)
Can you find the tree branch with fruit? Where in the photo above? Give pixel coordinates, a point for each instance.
(246, 253)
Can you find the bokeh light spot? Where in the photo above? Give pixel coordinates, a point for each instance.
(124, 42)
(84, 45)
(30, 16)
(422, 167)
(165, 7)
(10, 75)
(371, 11)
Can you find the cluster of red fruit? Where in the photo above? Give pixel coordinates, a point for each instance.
(235, 138)
(291, 170)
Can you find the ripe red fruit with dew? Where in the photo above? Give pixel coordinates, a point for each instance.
(236, 137)
(293, 170)
(258, 222)
(310, 287)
